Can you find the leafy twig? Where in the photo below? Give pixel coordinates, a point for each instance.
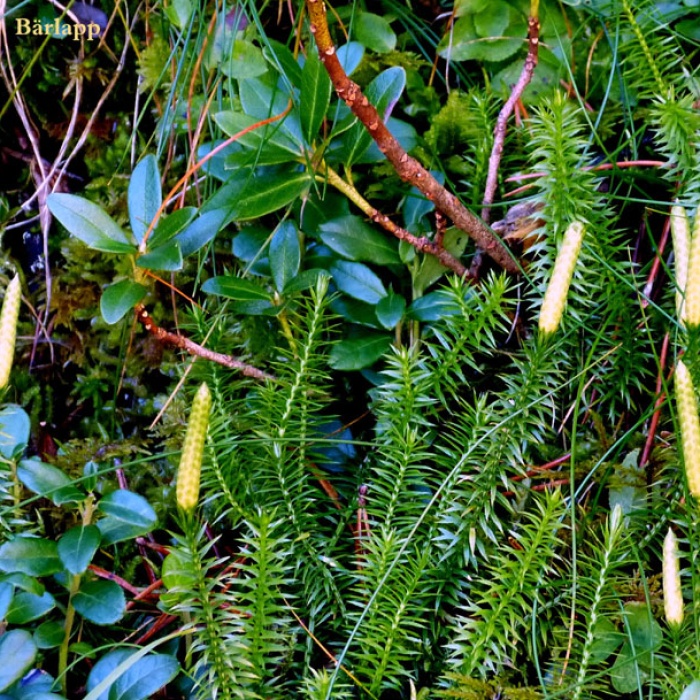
(180, 341)
(193, 169)
(421, 243)
(408, 168)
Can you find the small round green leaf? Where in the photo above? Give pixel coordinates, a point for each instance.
(433, 307)
(49, 635)
(78, 546)
(251, 246)
(390, 310)
(358, 353)
(6, 593)
(146, 677)
(24, 582)
(101, 602)
(350, 56)
(179, 12)
(463, 7)
(245, 61)
(165, 257)
(177, 571)
(493, 19)
(626, 675)
(131, 680)
(130, 507)
(200, 231)
(14, 430)
(304, 280)
(465, 43)
(48, 481)
(644, 630)
(354, 239)
(115, 530)
(356, 311)
(119, 298)
(689, 28)
(358, 281)
(30, 555)
(235, 288)
(606, 639)
(128, 515)
(35, 685)
(375, 32)
(27, 607)
(104, 669)
(17, 651)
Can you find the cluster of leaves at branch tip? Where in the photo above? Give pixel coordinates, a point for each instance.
(562, 274)
(190, 469)
(8, 328)
(673, 594)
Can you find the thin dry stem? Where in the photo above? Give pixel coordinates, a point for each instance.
(180, 341)
(499, 135)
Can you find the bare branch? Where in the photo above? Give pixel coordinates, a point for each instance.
(180, 341)
(499, 135)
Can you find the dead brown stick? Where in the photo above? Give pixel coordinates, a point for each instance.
(499, 134)
(180, 341)
(408, 168)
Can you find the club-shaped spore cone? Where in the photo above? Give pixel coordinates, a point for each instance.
(190, 469)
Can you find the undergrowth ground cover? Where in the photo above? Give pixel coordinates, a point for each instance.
(349, 350)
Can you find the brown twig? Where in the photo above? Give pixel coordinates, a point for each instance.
(156, 626)
(618, 165)
(110, 576)
(408, 168)
(363, 532)
(148, 593)
(328, 653)
(421, 243)
(658, 404)
(180, 341)
(499, 134)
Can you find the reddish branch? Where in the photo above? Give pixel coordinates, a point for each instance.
(499, 134)
(193, 348)
(658, 404)
(109, 576)
(408, 168)
(656, 266)
(423, 244)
